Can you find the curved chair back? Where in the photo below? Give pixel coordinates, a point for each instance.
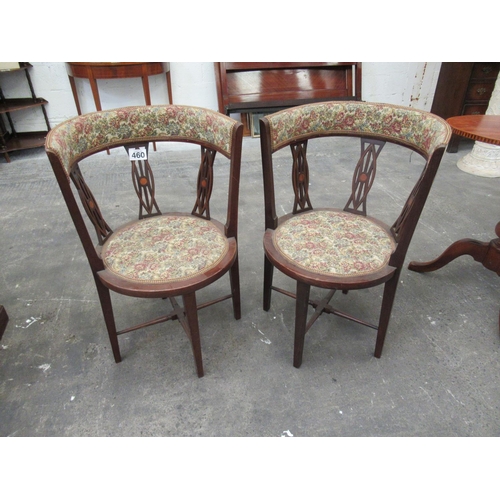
(422, 131)
(79, 137)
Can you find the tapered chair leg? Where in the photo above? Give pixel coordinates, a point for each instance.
(234, 277)
(191, 311)
(301, 308)
(109, 318)
(268, 283)
(385, 313)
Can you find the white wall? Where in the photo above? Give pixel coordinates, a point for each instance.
(408, 84)
(193, 83)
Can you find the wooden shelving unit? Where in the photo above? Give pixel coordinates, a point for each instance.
(10, 138)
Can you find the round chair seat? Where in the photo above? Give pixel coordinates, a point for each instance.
(164, 249)
(334, 244)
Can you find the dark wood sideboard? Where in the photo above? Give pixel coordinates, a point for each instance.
(264, 87)
(464, 88)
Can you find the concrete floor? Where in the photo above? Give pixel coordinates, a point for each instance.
(438, 376)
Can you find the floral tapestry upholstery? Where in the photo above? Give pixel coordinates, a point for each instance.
(419, 129)
(164, 248)
(78, 137)
(334, 243)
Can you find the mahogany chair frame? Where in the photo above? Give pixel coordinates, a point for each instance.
(374, 124)
(83, 136)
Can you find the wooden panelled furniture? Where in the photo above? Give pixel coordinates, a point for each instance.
(263, 87)
(160, 254)
(342, 249)
(464, 88)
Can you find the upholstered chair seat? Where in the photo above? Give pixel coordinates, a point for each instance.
(165, 249)
(334, 244)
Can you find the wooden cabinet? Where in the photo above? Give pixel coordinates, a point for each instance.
(10, 138)
(464, 89)
(264, 87)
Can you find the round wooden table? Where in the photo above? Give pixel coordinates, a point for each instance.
(483, 128)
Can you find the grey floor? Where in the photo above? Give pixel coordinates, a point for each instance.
(438, 375)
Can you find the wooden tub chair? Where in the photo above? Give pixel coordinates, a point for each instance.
(342, 248)
(158, 254)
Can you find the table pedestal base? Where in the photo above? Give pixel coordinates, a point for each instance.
(488, 254)
(483, 160)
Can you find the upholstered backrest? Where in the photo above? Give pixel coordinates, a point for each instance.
(81, 136)
(420, 130)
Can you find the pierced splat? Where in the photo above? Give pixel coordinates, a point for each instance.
(89, 203)
(205, 183)
(144, 184)
(364, 175)
(300, 177)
